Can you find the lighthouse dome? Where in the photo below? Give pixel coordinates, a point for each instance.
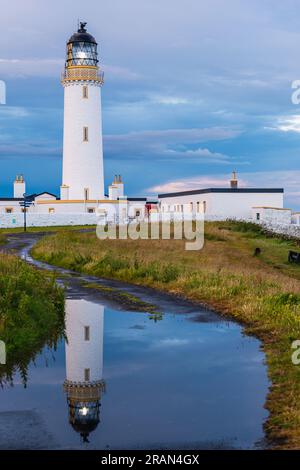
(82, 35)
(82, 49)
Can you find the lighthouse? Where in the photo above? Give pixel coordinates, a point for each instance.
(82, 176)
(84, 384)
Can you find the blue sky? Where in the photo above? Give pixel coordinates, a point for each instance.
(193, 90)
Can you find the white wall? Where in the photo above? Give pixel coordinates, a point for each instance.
(70, 214)
(113, 192)
(228, 205)
(186, 200)
(45, 220)
(19, 188)
(63, 208)
(240, 204)
(83, 161)
(14, 205)
(272, 215)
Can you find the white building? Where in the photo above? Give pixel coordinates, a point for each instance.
(272, 215)
(230, 202)
(82, 177)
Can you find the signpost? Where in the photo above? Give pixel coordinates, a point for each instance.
(25, 204)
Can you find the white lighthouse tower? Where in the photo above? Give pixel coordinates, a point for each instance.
(84, 384)
(82, 147)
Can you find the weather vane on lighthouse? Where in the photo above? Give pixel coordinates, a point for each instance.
(82, 28)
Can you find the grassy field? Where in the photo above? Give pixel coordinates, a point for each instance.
(52, 228)
(262, 292)
(31, 313)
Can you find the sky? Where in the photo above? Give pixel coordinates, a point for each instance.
(193, 90)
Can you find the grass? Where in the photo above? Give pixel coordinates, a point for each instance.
(128, 301)
(262, 292)
(31, 314)
(53, 228)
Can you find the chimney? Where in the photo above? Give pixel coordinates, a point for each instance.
(234, 180)
(19, 186)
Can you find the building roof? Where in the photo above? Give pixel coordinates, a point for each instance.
(273, 208)
(29, 197)
(222, 190)
(82, 35)
(11, 199)
(132, 198)
(44, 192)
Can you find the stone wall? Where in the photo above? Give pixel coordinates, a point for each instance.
(45, 220)
(289, 230)
(270, 215)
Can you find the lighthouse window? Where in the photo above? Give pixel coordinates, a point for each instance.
(85, 134)
(87, 374)
(86, 194)
(204, 207)
(85, 93)
(8, 210)
(86, 333)
(90, 210)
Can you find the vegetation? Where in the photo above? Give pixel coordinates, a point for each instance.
(128, 301)
(31, 314)
(52, 228)
(262, 292)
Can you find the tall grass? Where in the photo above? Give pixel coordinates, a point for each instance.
(31, 313)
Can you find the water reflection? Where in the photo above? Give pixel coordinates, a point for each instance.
(173, 383)
(84, 382)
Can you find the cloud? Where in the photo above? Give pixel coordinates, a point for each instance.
(40, 67)
(26, 149)
(287, 179)
(52, 67)
(193, 135)
(168, 143)
(170, 100)
(116, 72)
(13, 112)
(288, 124)
(189, 184)
(202, 154)
(170, 342)
(21, 68)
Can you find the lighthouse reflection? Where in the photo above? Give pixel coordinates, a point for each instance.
(84, 384)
